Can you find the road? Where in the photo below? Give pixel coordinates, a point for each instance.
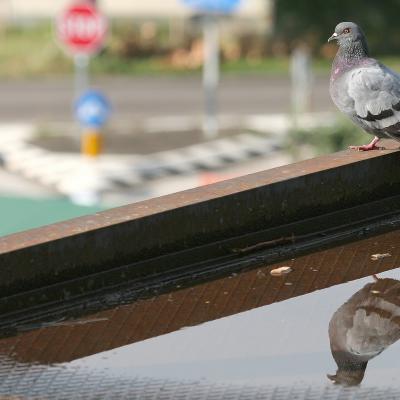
(142, 97)
(138, 98)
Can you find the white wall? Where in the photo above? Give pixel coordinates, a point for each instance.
(126, 8)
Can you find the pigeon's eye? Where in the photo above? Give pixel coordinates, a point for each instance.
(347, 30)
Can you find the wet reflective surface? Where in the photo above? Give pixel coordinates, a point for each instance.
(246, 335)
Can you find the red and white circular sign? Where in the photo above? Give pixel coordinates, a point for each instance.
(82, 28)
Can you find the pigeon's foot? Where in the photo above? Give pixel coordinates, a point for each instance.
(367, 147)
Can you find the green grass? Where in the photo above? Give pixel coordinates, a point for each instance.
(275, 66)
(30, 52)
(106, 64)
(325, 140)
(33, 51)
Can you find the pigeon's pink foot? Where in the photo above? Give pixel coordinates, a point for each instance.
(367, 147)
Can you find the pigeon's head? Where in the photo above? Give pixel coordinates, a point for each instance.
(348, 34)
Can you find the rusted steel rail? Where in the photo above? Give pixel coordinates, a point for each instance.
(260, 218)
(64, 336)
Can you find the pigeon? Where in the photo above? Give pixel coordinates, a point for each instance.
(363, 88)
(363, 327)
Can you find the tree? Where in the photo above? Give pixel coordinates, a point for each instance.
(317, 19)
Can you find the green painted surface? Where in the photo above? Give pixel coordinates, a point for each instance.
(19, 214)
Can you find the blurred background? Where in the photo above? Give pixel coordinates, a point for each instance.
(267, 90)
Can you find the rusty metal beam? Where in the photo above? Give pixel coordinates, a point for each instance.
(62, 339)
(169, 233)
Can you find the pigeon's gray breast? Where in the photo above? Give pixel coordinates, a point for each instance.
(339, 92)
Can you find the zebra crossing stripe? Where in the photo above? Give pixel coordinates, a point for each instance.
(63, 170)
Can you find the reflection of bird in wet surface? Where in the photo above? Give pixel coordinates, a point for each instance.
(363, 327)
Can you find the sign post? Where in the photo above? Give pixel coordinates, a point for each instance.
(81, 29)
(210, 11)
(211, 75)
(81, 74)
(92, 111)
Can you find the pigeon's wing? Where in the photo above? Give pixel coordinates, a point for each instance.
(375, 90)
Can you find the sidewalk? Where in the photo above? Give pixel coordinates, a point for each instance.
(177, 150)
(16, 185)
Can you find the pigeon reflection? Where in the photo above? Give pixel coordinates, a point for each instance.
(363, 327)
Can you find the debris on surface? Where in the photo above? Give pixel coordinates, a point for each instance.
(260, 274)
(375, 291)
(378, 256)
(265, 245)
(60, 322)
(281, 271)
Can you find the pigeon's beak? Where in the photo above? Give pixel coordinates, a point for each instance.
(333, 37)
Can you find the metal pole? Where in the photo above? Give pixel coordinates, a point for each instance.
(301, 81)
(91, 140)
(210, 75)
(81, 62)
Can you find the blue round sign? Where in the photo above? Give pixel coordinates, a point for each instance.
(213, 6)
(92, 109)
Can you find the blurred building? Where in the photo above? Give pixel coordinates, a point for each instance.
(259, 12)
(121, 8)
